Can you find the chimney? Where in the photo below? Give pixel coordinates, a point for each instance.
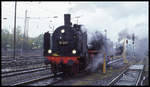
(67, 22)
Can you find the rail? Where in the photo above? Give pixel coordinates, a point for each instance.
(23, 72)
(135, 70)
(36, 80)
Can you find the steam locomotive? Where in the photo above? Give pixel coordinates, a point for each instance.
(66, 49)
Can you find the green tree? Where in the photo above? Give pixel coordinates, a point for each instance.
(6, 38)
(38, 41)
(27, 44)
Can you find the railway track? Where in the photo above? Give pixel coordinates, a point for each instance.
(18, 72)
(15, 77)
(6, 58)
(4, 71)
(114, 61)
(118, 60)
(21, 59)
(38, 80)
(21, 62)
(44, 80)
(130, 76)
(25, 74)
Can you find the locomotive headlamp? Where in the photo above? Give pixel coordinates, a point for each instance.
(49, 51)
(73, 51)
(62, 31)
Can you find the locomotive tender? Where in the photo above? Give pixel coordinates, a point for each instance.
(67, 50)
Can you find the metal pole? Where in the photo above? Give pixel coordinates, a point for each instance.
(124, 51)
(106, 41)
(24, 33)
(104, 64)
(15, 28)
(133, 50)
(27, 28)
(77, 18)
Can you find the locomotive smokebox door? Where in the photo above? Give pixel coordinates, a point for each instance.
(67, 20)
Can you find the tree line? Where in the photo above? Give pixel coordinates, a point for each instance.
(7, 40)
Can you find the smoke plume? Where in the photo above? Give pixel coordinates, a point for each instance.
(97, 41)
(141, 48)
(104, 45)
(96, 63)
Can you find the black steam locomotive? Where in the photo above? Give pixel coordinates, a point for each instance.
(67, 49)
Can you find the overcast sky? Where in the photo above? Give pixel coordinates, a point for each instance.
(113, 16)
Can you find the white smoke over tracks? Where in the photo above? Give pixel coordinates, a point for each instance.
(124, 34)
(99, 42)
(141, 48)
(96, 63)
